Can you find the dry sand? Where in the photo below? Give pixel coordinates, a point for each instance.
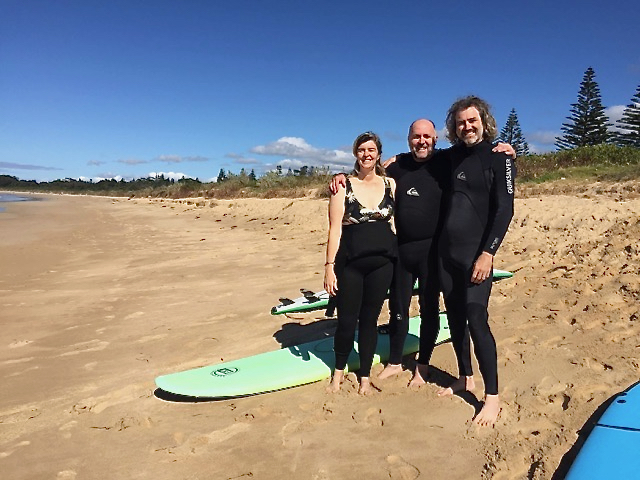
(99, 296)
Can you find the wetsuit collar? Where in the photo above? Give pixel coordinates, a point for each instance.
(480, 146)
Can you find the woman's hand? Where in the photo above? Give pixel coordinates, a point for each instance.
(330, 280)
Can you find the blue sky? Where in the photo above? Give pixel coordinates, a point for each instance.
(126, 89)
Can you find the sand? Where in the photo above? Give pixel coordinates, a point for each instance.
(98, 296)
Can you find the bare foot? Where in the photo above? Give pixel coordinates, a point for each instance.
(419, 375)
(336, 381)
(460, 385)
(365, 386)
(489, 413)
(390, 370)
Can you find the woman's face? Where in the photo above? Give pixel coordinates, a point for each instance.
(367, 155)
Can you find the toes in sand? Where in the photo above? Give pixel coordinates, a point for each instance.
(390, 370)
(459, 385)
(419, 375)
(336, 381)
(489, 414)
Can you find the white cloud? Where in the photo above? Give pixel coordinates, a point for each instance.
(106, 176)
(110, 176)
(290, 164)
(442, 136)
(132, 161)
(23, 166)
(160, 158)
(95, 163)
(542, 137)
(242, 160)
(541, 141)
(614, 113)
(296, 149)
(170, 175)
(539, 149)
(180, 159)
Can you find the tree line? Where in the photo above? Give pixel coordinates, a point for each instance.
(587, 125)
(228, 185)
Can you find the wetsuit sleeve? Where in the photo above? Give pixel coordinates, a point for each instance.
(393, 169)
(501, 210)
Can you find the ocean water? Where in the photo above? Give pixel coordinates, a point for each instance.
(9, 197)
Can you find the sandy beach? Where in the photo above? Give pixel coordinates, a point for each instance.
(99, 296)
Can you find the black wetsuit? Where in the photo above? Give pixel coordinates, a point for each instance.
(364, 268)
(418, 219)
(478, 216)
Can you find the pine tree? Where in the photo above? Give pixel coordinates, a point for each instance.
(588, 123)
(221, 176)
(512, 133)
(252, 175)
(629, 136)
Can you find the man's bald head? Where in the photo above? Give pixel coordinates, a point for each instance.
(422, 139)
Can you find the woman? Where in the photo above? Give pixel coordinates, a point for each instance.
(362, 241)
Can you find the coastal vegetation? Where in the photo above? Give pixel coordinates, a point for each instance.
(606, 163)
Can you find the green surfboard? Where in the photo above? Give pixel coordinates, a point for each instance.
(285, 368)
(319, 300)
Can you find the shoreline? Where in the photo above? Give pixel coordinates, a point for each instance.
(100, 295)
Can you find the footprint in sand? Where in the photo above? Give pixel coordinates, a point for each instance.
(6, 453)
(19, 343)
(201, 444)
(90, 366)
(84, 347)
(400, 469)
(150, 338)
(372, 417)
(17, 360)
(19, 415)
(67, 475)
(65, 429)
(99, 404)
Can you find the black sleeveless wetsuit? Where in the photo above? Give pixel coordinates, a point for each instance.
(364, 268)
(419, 193)
(478, 216)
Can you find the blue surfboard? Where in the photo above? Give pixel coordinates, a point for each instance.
(612, 449)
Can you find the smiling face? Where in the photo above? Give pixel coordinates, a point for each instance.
(422, 138)
(469, 126)
(367, 155)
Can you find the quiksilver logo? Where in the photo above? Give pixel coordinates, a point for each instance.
(412, 192)
(224, 371)
(509, 177)
(461, 176)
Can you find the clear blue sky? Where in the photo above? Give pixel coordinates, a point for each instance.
(128, 88)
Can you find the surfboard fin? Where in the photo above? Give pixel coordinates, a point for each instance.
(309, 295)
(286, 301)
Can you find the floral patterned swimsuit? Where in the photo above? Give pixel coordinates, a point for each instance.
(355, 212)
(367, 232)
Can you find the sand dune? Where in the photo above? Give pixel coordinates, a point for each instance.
(99, 296)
